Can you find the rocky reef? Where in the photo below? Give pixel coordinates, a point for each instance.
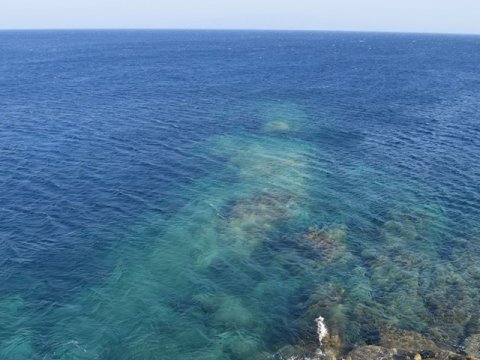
(327, 241)
(391, 298)
(472, 345)
(394, 344)
(372, 352)
(266, 258)
(251, 218)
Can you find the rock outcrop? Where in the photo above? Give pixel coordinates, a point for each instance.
(372, 352)
(472, 345)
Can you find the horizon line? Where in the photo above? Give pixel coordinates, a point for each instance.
(241, 29)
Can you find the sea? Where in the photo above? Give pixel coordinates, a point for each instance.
(174, 194)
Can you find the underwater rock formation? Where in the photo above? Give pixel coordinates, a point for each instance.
(413, 289)
(251, 218)
(227, 311)
(284, 117)
(234, 274)
(396, 285)
(472, 345)
(277, 125)
(197, 291)
(327, 241)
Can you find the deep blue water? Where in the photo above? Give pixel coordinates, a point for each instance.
(208, 194)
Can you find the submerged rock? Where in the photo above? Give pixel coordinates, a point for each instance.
(326, 300)
(328, 241)
(241, 346)
(226, 311)
(285, 116)
(277, 125)
(472, 345)
(232, 312)
(261, 210)
(251, 218)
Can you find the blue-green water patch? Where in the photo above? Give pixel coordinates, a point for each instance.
(198, 195)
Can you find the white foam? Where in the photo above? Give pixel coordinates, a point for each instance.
(322, 331)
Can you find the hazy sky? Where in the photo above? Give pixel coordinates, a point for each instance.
(457, 16)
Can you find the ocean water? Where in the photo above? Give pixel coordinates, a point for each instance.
(209, 194)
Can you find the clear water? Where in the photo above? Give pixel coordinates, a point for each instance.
(207, 195)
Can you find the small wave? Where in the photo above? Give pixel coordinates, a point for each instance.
(322, 332)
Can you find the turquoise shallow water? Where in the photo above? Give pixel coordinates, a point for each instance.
(208, 195)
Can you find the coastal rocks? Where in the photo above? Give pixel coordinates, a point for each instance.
(472, 345)
(404, 339)
(331, 345)
(328, 347)
(399, 344)
(373, 352)
(404, 284)
(370, 352)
